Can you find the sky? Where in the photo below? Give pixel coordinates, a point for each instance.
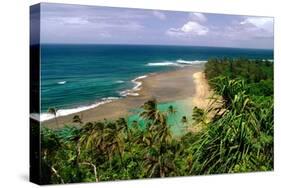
(78, 24)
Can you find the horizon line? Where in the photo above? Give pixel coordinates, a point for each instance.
(140, 44)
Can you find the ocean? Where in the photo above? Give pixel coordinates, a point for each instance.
(79, 77)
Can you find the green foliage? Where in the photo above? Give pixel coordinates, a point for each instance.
(239, 137)
(257, 74)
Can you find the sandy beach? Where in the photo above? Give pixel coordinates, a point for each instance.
(202, 91)
(167, 86)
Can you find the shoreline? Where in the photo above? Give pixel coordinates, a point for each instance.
(165, 86)
(69, 111)
(203, 91)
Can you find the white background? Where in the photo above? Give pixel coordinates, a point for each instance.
(14, 91)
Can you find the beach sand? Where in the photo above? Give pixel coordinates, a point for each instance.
(203, 91)
(203, 98)
(166, 86)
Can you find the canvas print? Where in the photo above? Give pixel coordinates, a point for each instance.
(121, 93)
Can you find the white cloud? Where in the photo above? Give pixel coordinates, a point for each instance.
(259, 22)
(159, 15)
(195, 28)
(199, 17)
(191, 28)
(248, 28)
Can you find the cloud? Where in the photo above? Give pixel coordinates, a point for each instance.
(70, 20)
(159, 15)
(195, 28)
(92, 22)
(199, 17)
(191, 28)
(259, 22)
(248, 28)
(88, 18)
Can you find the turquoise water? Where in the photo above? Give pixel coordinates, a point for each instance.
(182, 107)
(74, 77)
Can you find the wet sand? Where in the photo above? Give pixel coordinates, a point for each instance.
(167, 86)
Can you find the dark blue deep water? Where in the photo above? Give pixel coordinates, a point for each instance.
(80, 75)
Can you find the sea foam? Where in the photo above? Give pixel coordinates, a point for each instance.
(62, 82)
(119, 81)
(65, 112)
(132, 92)
(164, 63)
(178, 63)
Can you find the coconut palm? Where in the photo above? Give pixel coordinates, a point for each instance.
(151, 114)
(93, 136)
(149, 110)
(123, 126)
(184, 120)
(114, 141)
(199, 116)
(172, 110)
(163, 134)
(159, 164)
(77, 119)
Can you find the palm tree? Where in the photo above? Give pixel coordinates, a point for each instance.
(152, 114)
(123, 126)
(77, 119)
(150, 110)
(163, 134)
(159, 126)
(199, 116)
(184, 120)
(159, 164)
(53, 111)
(114, 141)
(172, 110)
(93, 136)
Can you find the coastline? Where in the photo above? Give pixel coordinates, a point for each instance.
(203, 91)
(165, 86)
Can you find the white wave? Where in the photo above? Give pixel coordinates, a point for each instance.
(128, 93)
(178, 63)
(141, 77)
(110, 98)
(137, 82)
(164, 63)
(62, 82)
(137, 87)
(119, 81)
(190, 62)
(65, 112)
